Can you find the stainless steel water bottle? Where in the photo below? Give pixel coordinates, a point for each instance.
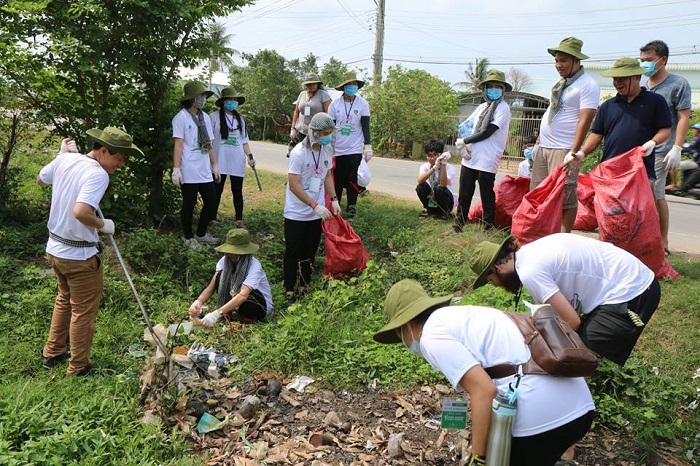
(502, 417)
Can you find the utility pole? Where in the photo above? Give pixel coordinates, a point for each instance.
(379, 42)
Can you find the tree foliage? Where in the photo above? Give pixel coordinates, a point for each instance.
(333, 71)
(410, 106)
(519, 79)
(475, 73)
(220, 53)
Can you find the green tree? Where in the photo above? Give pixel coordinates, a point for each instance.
(220, 54)
(333, 71)
(410, 106)
(270, 88)
(475, 73)
(300, 68)
(95, 63)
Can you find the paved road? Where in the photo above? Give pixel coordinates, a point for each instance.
(398, 178)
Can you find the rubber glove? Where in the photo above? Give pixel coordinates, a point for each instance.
(648, 147)
(367, 152)
(572, 161)
(177, 177)
(322, 212)
(108, 227)
(443, 158)
(466, 152)
(335, 205)
(475, 460)
(673, 158)
(215, 171)
(251, 160)
(210, 319)
(195, 308)
(459, 144)
(68, 145)
(293, 133)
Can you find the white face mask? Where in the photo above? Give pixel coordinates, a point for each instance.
(414, 347)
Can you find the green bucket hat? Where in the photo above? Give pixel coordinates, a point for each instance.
(623, 68)
(348, 78)
(484, 257)
(192, 89)
(115, 140)
(311, 79)
(229, 93)
(238, 242)
(570, 46)
(405, 300)
(496, 76)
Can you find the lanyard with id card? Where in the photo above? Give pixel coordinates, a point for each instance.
(315, 181)
(346, 128)
(232, 139)
(454, 414)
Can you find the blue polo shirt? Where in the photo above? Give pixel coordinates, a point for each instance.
(625, 126)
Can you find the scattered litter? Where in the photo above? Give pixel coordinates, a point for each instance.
(208, 423)
(183, 328)
(182, 360)
(693, 405)
(697, 373)
(136, 350)
(655, 370)
(162, 334)
(300, 383)
(209, 359)
(394, 446)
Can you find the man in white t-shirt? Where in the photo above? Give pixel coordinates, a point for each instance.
(79, 182)
(575, 99)
(435, 182)
(603, 292)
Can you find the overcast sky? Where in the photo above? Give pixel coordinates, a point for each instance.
(447, 35)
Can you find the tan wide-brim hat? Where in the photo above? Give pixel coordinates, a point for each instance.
(347, 79)
(571, 46)
(483, 258)
(192, 89)
(229, 93)
(405, 301)
(238, 242)
(623, 68)
(115, 140)
(496, 76)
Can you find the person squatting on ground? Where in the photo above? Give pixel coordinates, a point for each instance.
(676, 91)
(242, 287)
(435, 182)
(312, 100)
(634, 117)
(603, 292)
(525, 167)
(79, 182)
(460, 342)
(231, 148)
(483, 149)
(195, 168)
(573, 105)
(352, 139)
(308, 180)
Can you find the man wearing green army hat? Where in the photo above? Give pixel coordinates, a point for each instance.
(634, 117)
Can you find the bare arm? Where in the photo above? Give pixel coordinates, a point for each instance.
(585, 118)
(177, 152)
(481, 391)
(559, 302)
(39, 182)
(329, 185)
(443, 175)
(208, 291)
(86, 215)
(246, 149)
(422, 177)
(682, 127)
(662, 135)
(237, 300)
(297, 189)
(591, 143)
(326, 105)
(295, 117)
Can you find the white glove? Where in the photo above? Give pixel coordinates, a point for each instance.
(367, 152)
(572, 161)
(177, 177)
(68, 145)
(293, 133)
(322, 212)
(335, 205)
(673, 158)
(108, 227)
(459, 144)
(648, 147)
(466, 152)
(251, 160)
(443, 158)
(195, 308)
(210, 319)
(215, 171)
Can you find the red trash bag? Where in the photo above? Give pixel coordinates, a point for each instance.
(585, 215)
(539, 213)
(345, 253)
(626, 210)
(509, 193)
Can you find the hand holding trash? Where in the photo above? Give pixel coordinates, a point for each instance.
(367, 152)
(68, 145)
(322, 212)
(195, 309)
(572, 161)
(443, 158)
(335, 205)
(648, 147)
(210, 319)
(107, 227)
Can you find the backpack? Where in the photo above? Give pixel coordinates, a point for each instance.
(555, 348)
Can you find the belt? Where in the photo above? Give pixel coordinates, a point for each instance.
(74, 243)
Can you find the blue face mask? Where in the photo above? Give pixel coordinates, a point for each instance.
(494, 94)
(350, 89)
(528, 152)
(325, 140)
(414, 347)
(231, 105)
(650, 66)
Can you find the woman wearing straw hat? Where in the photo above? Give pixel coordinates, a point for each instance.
(312, 100)
(240, 282)
(488, 141)
(460, 341)
(231, 147)
(353, 141)
(195, 168)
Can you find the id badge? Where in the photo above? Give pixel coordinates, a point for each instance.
(307, 111)
(454, 414)
(232, 140)
(315, 184)
(345, 130)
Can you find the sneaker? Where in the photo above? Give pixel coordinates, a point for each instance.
(423, 214)
(192, 244)
(207, 239)
(87, 370)
(362, 191)
(54, 360)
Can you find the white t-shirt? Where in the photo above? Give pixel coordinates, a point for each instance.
(256, 279)
(524, 169)
(434, 179)
(229, 153)
(194, 164)
(487, 153)
(584, 93)
(585, 270)
(457, 338)
(309, 165)
(75, 178)
(310, 107)
(348, 130)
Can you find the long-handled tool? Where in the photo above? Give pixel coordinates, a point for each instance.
(133, 288)
(250, 156)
